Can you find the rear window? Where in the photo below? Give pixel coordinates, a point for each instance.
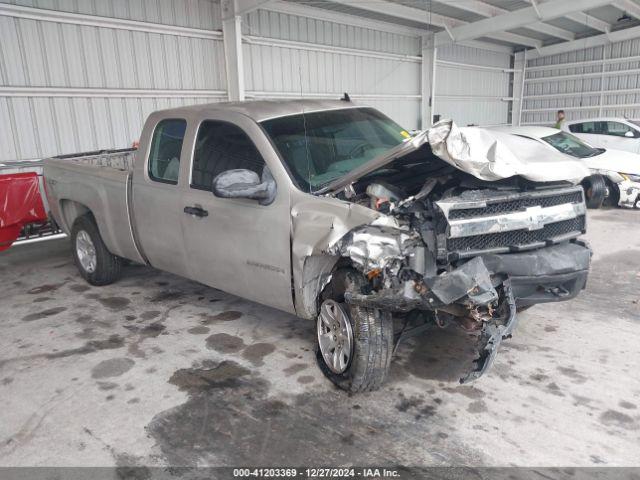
(164, 156)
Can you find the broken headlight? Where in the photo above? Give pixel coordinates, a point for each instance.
(629, 176)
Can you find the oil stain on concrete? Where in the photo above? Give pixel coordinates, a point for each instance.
(43, 314)
(224, 343)
(208, 319)
(231, 418)
(113, 367)
(199, 330)
(256, 352)
(115, 303)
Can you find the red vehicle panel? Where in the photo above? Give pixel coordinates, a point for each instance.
(20, 204)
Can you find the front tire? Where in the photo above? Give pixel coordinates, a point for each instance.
(95, 262)
(358, 356)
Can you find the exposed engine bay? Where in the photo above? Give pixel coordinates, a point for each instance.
(463, 249)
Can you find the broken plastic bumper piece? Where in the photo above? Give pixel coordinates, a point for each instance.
(492, 334)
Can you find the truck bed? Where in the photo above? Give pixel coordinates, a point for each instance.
(98, 182)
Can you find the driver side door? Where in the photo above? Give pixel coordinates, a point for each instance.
(236, 244)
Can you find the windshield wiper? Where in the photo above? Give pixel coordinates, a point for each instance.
(595, 152)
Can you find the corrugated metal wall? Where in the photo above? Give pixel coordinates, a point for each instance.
(599, 81)
(288, 56)
(473, 95)
(83, 74)
(74, 82)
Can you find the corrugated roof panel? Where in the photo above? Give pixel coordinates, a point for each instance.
(609, 13)
(509, 4)
(572, 26)
(353, 10)
(526, 32)
(448, 9)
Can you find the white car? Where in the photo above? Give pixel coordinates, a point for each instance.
(620, 169)
(618, 133)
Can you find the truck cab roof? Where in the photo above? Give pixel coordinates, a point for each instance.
(260, 110)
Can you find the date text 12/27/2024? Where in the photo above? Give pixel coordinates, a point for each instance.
(315, 473)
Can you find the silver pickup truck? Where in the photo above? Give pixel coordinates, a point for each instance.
(334, 213)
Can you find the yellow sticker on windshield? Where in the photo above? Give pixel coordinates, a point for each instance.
(405, 134)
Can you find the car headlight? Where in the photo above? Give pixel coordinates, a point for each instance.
(629, 176)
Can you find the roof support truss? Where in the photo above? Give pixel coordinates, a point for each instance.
(516, 19)
(486, 10)
(428, 18)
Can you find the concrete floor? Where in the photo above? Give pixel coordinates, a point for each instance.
(159, 370)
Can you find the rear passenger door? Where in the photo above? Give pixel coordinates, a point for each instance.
(237, 244)
(157, 202)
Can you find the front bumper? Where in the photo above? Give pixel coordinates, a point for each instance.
(551, 274)
(489, 288)
(629, 194)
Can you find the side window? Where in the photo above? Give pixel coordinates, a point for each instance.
(576, 128)
(222, 146)
(164, 158)
(618, 129)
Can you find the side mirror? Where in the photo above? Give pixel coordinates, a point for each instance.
(241, 183)
(629, 134)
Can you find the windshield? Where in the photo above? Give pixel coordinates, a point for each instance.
(567, 143)
(320, 147)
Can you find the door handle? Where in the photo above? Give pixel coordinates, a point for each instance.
(197, 211)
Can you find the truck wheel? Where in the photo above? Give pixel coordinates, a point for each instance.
(96, 264)
(595, 191)
(354, 344)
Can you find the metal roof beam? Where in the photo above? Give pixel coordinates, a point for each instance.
(518, 18)
(486, 10)
(427, 18)
(398, 10)
(246, 6)
(587, 20)
(629, 7)
(588, 42)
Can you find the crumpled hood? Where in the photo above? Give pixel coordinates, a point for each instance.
(486, 154)
(615, 160)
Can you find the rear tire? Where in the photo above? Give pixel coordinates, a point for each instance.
(372, 342)
(595, 191)
(96, 264)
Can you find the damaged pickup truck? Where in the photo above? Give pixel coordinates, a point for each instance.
(334, 213)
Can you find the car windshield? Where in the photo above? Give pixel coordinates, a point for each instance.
(320, 147)
(571, 145)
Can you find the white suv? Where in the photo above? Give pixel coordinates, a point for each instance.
(616, 133)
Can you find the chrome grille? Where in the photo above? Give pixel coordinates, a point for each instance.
(516, 238)
(516, 205)
(488, 221)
